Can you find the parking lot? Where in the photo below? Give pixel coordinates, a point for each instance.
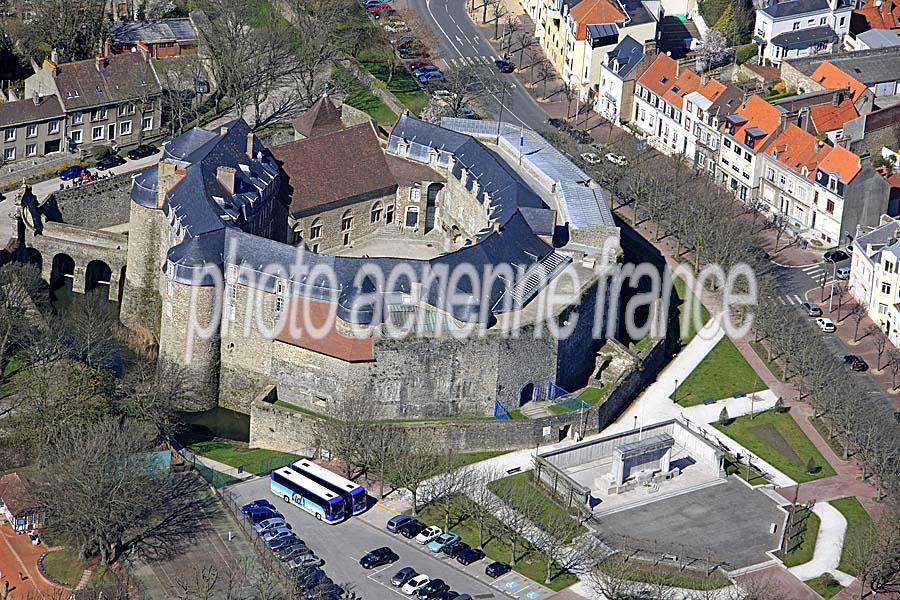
(342, 545)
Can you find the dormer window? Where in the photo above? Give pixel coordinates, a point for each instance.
(403, 148)
(463, 175)
(832, 183)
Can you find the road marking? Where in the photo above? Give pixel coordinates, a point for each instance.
(797, 298)
(451, 18)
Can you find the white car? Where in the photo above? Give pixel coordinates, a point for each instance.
(617, 159)
(396, 27)
(590, 158)
(412, 586)
(843, 273)
(428, 534)
(825, 325)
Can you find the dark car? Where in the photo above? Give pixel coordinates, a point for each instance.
(835, 256)
(455, 549)
(467, 557)
(378, 557)
(504, 66)
(496, 569)
(395, 523)
(402, 576)
(556, 123)
(109, 161)
(328, 590)
(312, 578)
(812, 310)
(431, 589)
(856, 362)
(281, 542)
(411, 529)
(73, 172)
(447, 595)
(143, 151)
(297, 548)
(256, 504)
(261, 514)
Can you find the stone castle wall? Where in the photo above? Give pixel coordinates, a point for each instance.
(97, 205)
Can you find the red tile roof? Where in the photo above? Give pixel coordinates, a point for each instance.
(661, 79)
(15, 495)
(843, 162)
(795, 148)
(885, 16)
(595, 12)
(306, 317)
(759, 114)
(833, 78)
(826, 117)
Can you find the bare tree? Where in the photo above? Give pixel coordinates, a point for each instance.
(555, 534)
(714, 49)
(879, 340)
(780, 223)
(73, 27)
(521, 507)
(545, 73)
(444, 489)
(893, 361)
(20, 298)
(857, 313)
(412, 468)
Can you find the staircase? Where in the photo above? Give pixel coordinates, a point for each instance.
(535, 278)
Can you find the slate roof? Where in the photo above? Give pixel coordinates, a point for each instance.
(867, 66)
(880, 38)
(342, 166)
(20, 112)
(119, 78)
(153, 32)
(794, 8)
(804, 37)
(322, 117)
(622, 59)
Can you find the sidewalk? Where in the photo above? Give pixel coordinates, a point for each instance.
(827, 553)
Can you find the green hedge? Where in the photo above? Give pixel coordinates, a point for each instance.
(744, 53)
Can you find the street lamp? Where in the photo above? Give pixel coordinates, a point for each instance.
(833, 279)
(675, 393)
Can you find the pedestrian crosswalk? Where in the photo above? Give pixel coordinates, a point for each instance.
(792, 299)
(815, 271)
(469, 61)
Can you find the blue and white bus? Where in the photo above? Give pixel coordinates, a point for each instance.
(352, 493)
(307, 494)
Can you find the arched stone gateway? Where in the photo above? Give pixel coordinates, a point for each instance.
(97, 274)
(526, 394)
(63, 268)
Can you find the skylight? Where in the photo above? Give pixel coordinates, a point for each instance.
(664, 79)
(675, 89)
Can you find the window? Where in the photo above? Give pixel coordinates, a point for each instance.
(746, 156)
(125, 128)
(882, 309)
(346, 221)
(315, 230)
(700, 160)
(31, 150)
(98, 114)
(77, 117)
(415, 192)
(770, 173)
(126, 109)
(376, 212)
(796, 25)
(843, 19)
(53, 126)
(885, 287)
(832, 184)
(76, 136)
(9, 135)
(389, 214)
(801, 191)
(30, 131)
(822, 20)
(810, 22)
(726, 142)
(147, 123)
(888, 267)
(829, 207)
(9, 154)
(97, 133)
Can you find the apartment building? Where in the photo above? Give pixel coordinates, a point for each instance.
(618, 74)
(31, 128)
(745, 135)
(659, 101)
(702, 113)
(875, 276)
(794, 28)
(111, 100)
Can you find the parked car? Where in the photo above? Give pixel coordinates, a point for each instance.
(467, 557)
(579, 135)
(443, 95)
(271, 524)
(412, 586)
(312, 579)
(143, 151)
(836, 256)
(464, 597)
(856, 362)
(556, 123)
(292, 550)
(590, 158)
(426, 69)
(431, 589)
(402, 576)
(429, 77)
(617, 159)
(109, 161)
(411, 529)
(395, 523)
(826, 325)
(256, 504)
(281, 542)
(72, 172)
(812, 309)
(418, 64)
(496, 569)
(843, 273)
(378, 557)
(504, 66)
(396, 27)
(305, 560)
(325, 591)
(468, 113)
(276, 532)
(261, 514)
(428, 534)
(447, 595)
(438, 543)
(453, 550)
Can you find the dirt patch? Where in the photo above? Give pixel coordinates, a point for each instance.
(773, 438)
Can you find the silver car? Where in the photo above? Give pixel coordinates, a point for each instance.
(270, 524)
(305, 560)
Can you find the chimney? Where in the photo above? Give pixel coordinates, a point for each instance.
(168, 175)
(250, 139)
(704, 78)
(223, 131)
(650, 49)
(226, 176)
(36, 98)
(677, 68)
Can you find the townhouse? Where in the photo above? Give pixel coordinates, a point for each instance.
(618, 74)
(879, 16)
(702, 113)
(745, 134)
(31, 128)
(794, 28)
(875, 276)
(659, 101)
(112, 100)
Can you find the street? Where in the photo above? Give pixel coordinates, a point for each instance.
(462, 43)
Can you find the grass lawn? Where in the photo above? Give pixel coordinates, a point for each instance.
(774, 367)
(237, 454)
(516, 415)
(732, 467)
(522, 486)
(468, 458)
(719, 375)
(591, 396)
(688, 298)
(64, 566)
(858, 523)
(528, 563)
(804, 552)
(776, 438)
(826, 591)
(667, 576)
(403, 85)
(102, 577)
